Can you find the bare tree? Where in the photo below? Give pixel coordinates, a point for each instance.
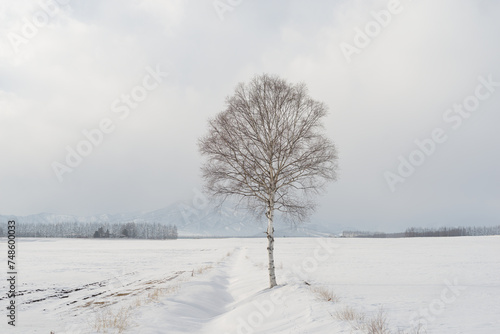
(268, 150)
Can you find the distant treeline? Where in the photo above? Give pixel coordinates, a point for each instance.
(143, 230)
(427, 232)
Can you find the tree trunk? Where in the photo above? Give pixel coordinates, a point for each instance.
(270, 246)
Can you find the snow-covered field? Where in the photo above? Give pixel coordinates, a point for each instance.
(448, 285)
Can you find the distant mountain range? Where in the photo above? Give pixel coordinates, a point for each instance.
(207, 221)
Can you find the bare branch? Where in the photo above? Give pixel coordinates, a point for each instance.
(268, 146)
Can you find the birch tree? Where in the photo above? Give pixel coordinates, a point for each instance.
(268, 150)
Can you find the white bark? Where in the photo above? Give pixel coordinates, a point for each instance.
(270, 245)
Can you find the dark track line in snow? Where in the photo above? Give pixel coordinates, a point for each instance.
(63, 293)
(132, 288)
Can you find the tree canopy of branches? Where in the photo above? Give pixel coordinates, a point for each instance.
(268, 150)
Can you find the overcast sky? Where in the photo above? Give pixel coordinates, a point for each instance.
(76, 66)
